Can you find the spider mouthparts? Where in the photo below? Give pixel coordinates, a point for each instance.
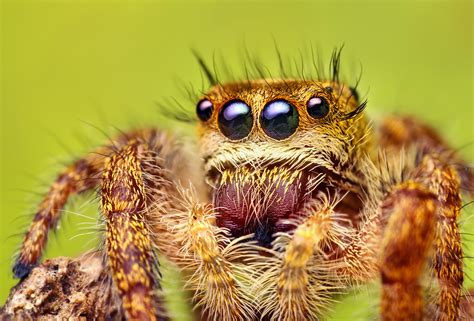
(264, 234)
(259, 202)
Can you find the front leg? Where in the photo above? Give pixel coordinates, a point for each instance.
(139, 187)
(442, 171)
(129, 245)
(82, 175)
(406, 242)
(410, 221)
(299, 282)
(132, 173)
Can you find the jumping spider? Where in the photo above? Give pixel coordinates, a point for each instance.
(293, 198)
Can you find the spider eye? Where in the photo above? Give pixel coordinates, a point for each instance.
(235, 119)
(318, 107)
(279, 119)
(204, 109)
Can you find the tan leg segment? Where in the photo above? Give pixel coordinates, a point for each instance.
(406, 244)
(216, 288)
(129, 246)
(297, 284)
(444, 182)
(294, 288)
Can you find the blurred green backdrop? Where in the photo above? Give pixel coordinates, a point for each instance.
(73, 68)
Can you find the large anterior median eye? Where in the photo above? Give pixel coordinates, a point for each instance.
(318, 107)
(279, 119)
(235, 119)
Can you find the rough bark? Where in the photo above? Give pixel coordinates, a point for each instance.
(65, 289)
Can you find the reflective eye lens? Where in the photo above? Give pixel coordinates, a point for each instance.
(318, 107)
(204, 109)
(279, 119)
(235, 120)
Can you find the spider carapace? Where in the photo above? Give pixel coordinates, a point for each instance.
(293, 197)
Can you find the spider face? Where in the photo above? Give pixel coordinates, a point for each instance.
(271, 146)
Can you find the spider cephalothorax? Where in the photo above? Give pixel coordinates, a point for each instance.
(292, 198)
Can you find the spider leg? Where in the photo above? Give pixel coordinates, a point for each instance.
(405, 244)
(297, 283)
(443, 171)
(80, 176)
(128, 237)
(414, 227)
(120, 168)
(206, 253)
(443, 181)
(395, 134)
(295, 295)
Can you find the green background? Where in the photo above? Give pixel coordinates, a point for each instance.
(72, 69)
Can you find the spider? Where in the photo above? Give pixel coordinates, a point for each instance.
(293, 197)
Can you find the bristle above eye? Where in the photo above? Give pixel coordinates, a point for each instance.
(172, 109)
(205, 68)
(356, 111)
(354, 93)
(335, 64)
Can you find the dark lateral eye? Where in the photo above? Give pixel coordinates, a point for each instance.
(279, 119)
(204, 109)
(318, 107)
(235, 119)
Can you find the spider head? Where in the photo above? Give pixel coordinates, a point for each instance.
(270, 147)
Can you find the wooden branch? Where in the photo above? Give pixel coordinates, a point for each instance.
(65, 289)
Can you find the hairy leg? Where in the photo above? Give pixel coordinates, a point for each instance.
(297, 282)
(406, 243)
(444, 182)
(138, 189)
(432, 175)
(129, 245)
(296, 298)
(207, 255)
(395, 134)
(445, 174)
(82, 175)
(128, 237)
